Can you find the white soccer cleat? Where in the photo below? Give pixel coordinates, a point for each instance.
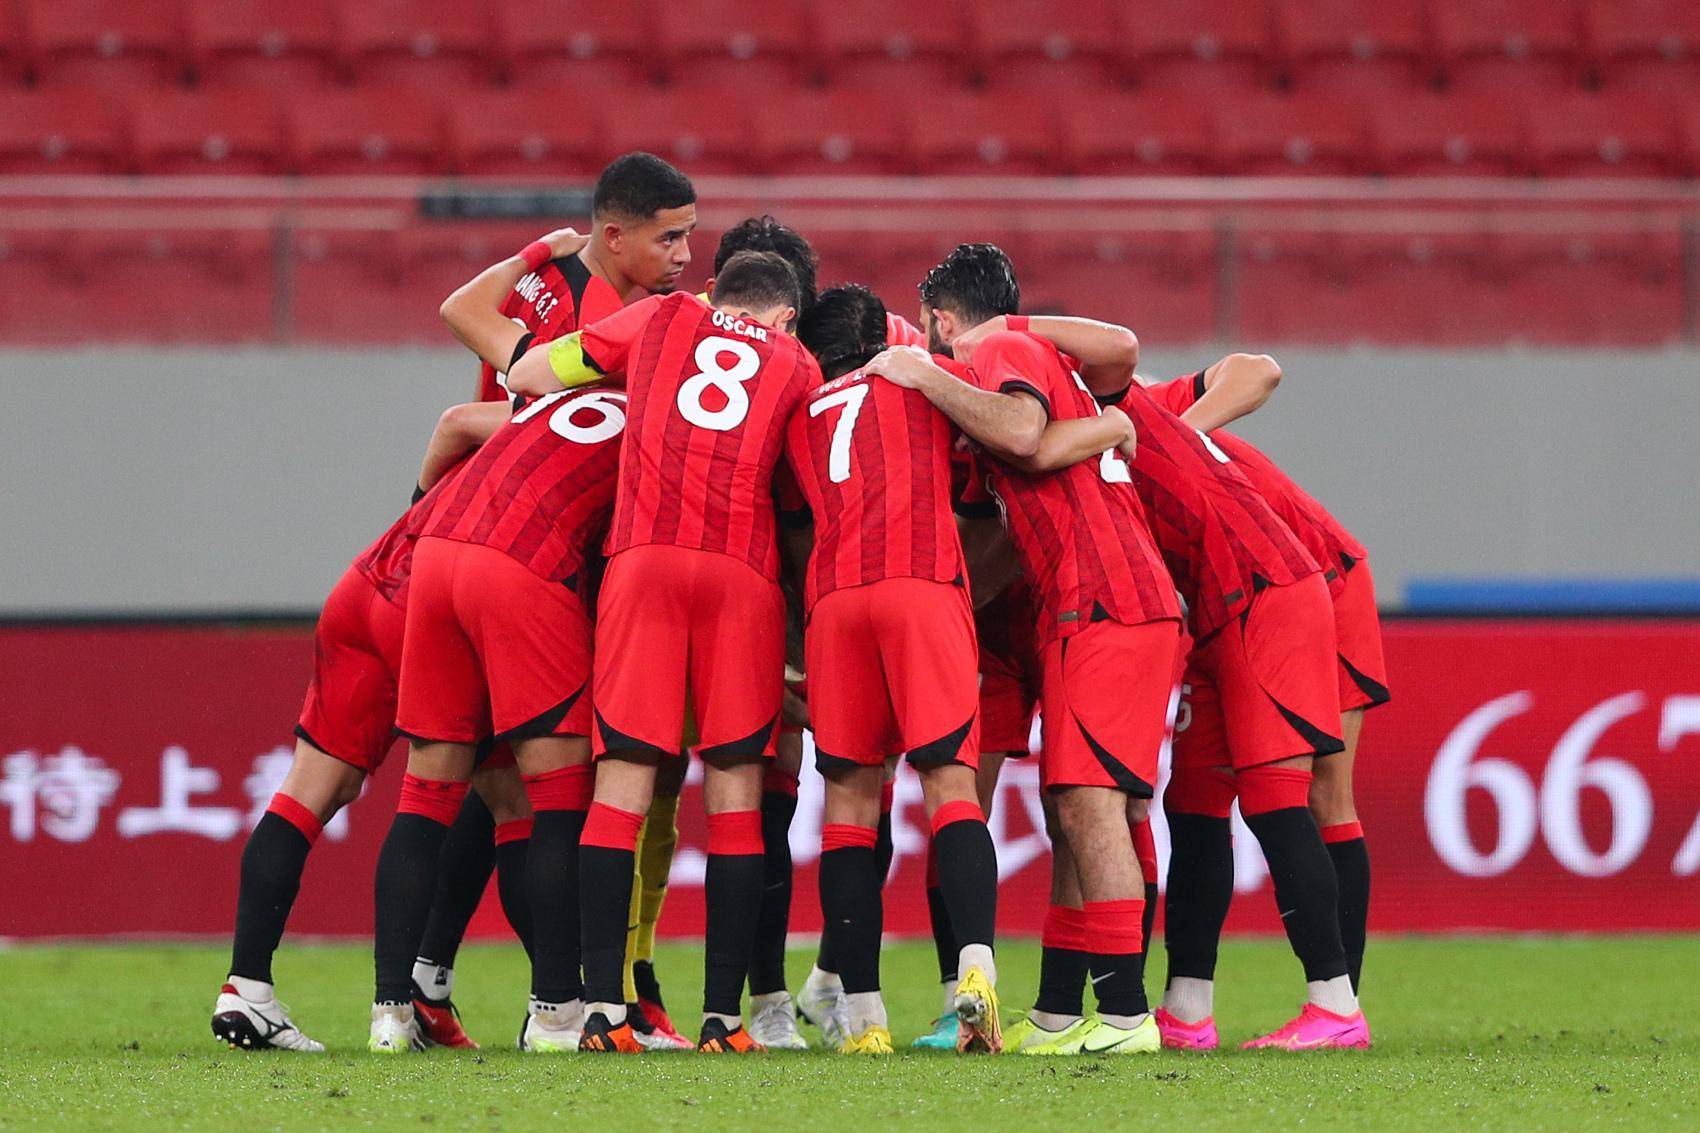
(552, 1028)
(394, 1030)
(245, 1025)
(826, 1007)
(774, 1026)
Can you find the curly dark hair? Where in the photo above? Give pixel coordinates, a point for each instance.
(844, 328)
(975, 282)
(765, 234)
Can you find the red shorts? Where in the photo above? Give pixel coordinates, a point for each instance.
(893, 671)
(351, 700)
(1357, 634)
(1009, 673)
(1262, 687)
(492, 649)
(1104, 703)
(674, 617)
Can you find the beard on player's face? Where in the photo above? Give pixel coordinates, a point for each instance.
(935, 339)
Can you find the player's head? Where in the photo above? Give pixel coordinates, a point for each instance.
(976, 282)
(759, 286)
(765, 234)
(642, 215)
(844, 328)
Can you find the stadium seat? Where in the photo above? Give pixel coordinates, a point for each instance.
(1351, 47)
(1195, 44)
(1445, 134)
(599, 47)
(1156, 133)
(895, 44)
(527, 133)
(441, 44)
(329, 265)
(1593, 289)
(1038, 46)
(994, 132)
(705, 131)
(1592, 134)
(1651, 46)
(1504, 46)
(48, 294)
(1160, 283)
(59, 131)
(742, 45)
(1276, 134)
(385, 130)
(282, 44)
(115, 45)
(177, 287)
(226, 130)
(1687, 151)
(842, 130)
(13, 59)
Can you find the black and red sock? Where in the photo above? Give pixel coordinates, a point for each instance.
(1063, 963)
(406, 880)
(1350, 854)
(559, 801)
(1201, 870)
(778, 807)
(1115, 955)
(607, 856)
(513, 845)
(938, 914)
(851, 903)
(731, 890)
(1145, 849)
(968, 872)
(1275, 803)
(464, 867)
(272, 862)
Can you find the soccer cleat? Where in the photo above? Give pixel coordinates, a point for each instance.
(650, 1036)
(1186, 1036)
(439, 1022)
(1094, 1036)
(658, 1018)
(257, 1026)
(1316, 1029)
(551, 1028)
(978, 1030)
(826, 1008)
(1025, 1036)
(718, 1038)
(599, 1036)
(874, 1040)
(774, 1026)
(394, 1030)
(941, 1037)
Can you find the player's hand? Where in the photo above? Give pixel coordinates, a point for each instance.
(969, 340)
(905, 366)
(1129, 444)
(564, 242)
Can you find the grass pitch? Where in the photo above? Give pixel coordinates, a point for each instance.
(1476, 1034)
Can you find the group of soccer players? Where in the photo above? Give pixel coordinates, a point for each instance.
(677, 524)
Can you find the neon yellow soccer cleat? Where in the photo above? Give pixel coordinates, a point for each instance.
(874, 1040)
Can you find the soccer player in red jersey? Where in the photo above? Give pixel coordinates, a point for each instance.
(497, 646)
(1108, 624)
(890, 643)
(691, 599)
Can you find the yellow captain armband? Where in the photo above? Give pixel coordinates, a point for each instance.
(568, 363)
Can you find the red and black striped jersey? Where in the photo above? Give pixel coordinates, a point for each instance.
(1080, 532)
(558, 298)
(1325, 537)
(1221, 539)
(710, 394)
(541, 488)
(388, 563)
(873, 461)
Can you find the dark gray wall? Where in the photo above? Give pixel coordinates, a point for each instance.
(199, 480)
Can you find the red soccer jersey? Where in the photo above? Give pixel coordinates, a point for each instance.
(709, 398)
(1221, 539)
(899, 331)
(387, 563)
(873, 462)
(541, 488)
(558, 298)
(1080, 533)
(1327, 539)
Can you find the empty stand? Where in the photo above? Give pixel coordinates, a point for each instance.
(1504, 46)
(533, 132)
(1623, 135)
(836, 130)
(1648, 46)
(367, 131)
(1192, 44)
(595, 46)
(707, 131)
(226, 130)
(441, 44)
(176, 286)
(59, 131)
(1161, 283)
(1352, 47)
(991, 133)
(1159, 133)
(282, 44)
(1272, 134)
(744, 45)
(1427, 134)
(895, 44)
(111, 45)
(1037, 46)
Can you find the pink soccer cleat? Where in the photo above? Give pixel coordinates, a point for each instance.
(1316, 1029)
(1186, 1036)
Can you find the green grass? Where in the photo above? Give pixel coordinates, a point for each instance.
(1474, 1034)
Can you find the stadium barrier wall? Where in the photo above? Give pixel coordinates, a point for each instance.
(1530, 775)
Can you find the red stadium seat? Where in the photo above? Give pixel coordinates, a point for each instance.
(526, 133)
(59, 131)
(385, 130)
(14, 59)
(1587, 134)
(1652, 46)
(1452, 135)
(598, 47)
(1042, 45)
(895, 44)
(1160, 133)
(327, 266)
(1200, 43)
(1557, 282)
(442, 44)
(227, 130)
(103, 44)
(1352, 47)
(835, 131)
(735, 44)
(1501, 46)
(703, 131)
(277, 43)
(171, 286)
(996, 132)
(48, 293)
(1687, 152)
(1273, 134)
(1160, 283)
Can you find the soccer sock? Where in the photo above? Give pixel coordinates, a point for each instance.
(866, 1009)
(463, 873)
(851, 905)
(272, 862)
(607, 855)
(1115, 959)
(883, 845)
(407, 880)
(968, 876)
(553, 864)
(1145, 848)
(1275, 804)
(628, 969)
(1201, 872)
(778, 806)
(513, 847)
(732, 891)
(1346, 847)
(1063, 964)
(655, 862)
(944, 941)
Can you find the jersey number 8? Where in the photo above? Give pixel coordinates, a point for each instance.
(730, 382)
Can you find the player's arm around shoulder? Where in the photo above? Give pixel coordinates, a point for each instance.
(459, 430)
(473, 311)
(1067, 443)
(1232, 388)
(1009, 422)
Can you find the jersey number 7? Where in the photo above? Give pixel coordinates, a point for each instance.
(838, 455)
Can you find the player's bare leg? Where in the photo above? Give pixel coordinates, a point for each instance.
(731, 888)
(625, 785)
(773, 1015)
(852, 905)
(1334, 806)
(967, 868)
(556, 777)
